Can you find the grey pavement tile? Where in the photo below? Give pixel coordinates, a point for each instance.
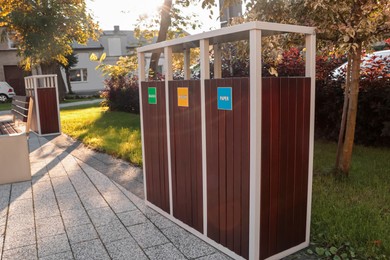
(161, 222)
(147, 235)
(146, 210)
(49, 226)
(188, 244)
(125, 249)
(39, 178)
(120, 204)
(166, 251)
(5, 189)
(19, 238)
(45, 211)
(60, 256)
(112, 232)
(21, 190)
(62, 185)
(81, 233)
(1, 245)
(132, 218)
(93, 200)
(27, 252)
(102, 216)
(53, 245)
(216, 256)
(3, 220)
(93, 249)
(57, 172)
(21, 206)
(74, 218)
(2, 230)
(20, 221)
(69, 201)
(42, 203)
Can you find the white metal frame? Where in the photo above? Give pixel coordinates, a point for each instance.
(253, 31)
(48, 81)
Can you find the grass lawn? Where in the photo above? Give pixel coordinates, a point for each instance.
(77, 100)
(116, 133)
(350, 217)
(5, 106)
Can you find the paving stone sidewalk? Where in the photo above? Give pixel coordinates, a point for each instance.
(71, 210)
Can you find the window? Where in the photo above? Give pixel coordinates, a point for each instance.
(12, 44)
(78, 75)
(114, 47)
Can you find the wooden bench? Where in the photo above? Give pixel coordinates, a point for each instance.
(14, 153)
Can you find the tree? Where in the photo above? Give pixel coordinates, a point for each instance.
(72, 61)
(347, 25)
(45, 30)
(171, 23)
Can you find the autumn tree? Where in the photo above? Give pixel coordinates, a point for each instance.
(349, 26)
(170, 22)
(45, 30)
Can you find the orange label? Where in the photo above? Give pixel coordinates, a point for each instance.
(182, 97)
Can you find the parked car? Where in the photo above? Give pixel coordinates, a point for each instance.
(6, 91)
(370, 62)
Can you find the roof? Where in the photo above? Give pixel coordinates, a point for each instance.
(91, 45)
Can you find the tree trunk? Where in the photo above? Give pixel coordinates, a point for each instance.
(67, 75)
(344, 114)
(352, 112)
(162, 34)
(54, 68)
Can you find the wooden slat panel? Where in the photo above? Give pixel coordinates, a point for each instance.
(285, 155)
(7, 128)
(237, 155)
(265, 168)
(155, 142)
(48, 112)
(186, 154)
(227, 134)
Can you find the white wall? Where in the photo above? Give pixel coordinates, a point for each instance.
(95, 78)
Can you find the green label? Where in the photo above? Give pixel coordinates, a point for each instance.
(152, 96)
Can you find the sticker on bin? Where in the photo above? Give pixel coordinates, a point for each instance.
(182, 97)
(225, 100)
(152, 96)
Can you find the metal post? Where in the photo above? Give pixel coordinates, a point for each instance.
(255, 143)
(204, 74)
(141, 77)
(217, 62)
(187, 70)
(168, 76)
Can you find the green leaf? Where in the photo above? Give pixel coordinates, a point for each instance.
(336, 257)
(309, 251)
(344, 256)
(333, 250)
(320, 251)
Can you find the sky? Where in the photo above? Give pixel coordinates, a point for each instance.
(125, 13)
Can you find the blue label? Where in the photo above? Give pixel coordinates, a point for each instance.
(225, 101)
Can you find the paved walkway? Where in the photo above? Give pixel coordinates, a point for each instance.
(71, 210)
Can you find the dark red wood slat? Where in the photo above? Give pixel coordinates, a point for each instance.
(299, 162)
(237, 140)
(282, 229)
(265, 168)
(212, 162)
(222, 170)
(245, 168)
(199, 153)
(291, 155)
(230, 171)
